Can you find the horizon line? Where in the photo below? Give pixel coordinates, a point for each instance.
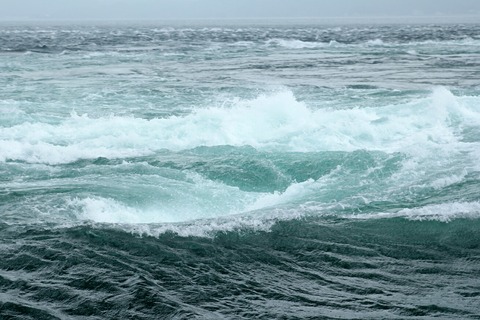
(431, 17)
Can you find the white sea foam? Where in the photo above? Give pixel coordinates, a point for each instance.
(202, 200)
(166, 201)
(449, 180)
(294, 192)
(270, 122)
(263, 220)
(376, 42)
(444, 212)
(204, 228)
(192, 200)
(101, 212)
(297, 44)
(105, 210)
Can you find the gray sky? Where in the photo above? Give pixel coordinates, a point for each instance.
(188, 9)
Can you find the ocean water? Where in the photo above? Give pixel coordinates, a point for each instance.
(239, 171)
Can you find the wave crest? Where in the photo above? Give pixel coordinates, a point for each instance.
(276, 122)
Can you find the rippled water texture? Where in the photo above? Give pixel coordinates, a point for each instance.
(239, 171)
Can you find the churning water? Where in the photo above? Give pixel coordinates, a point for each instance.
(239, 171)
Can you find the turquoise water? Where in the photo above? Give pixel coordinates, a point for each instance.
(239, 171)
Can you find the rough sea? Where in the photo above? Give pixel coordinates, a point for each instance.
(243, 170)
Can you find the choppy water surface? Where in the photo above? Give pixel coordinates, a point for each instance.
(239, 171)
